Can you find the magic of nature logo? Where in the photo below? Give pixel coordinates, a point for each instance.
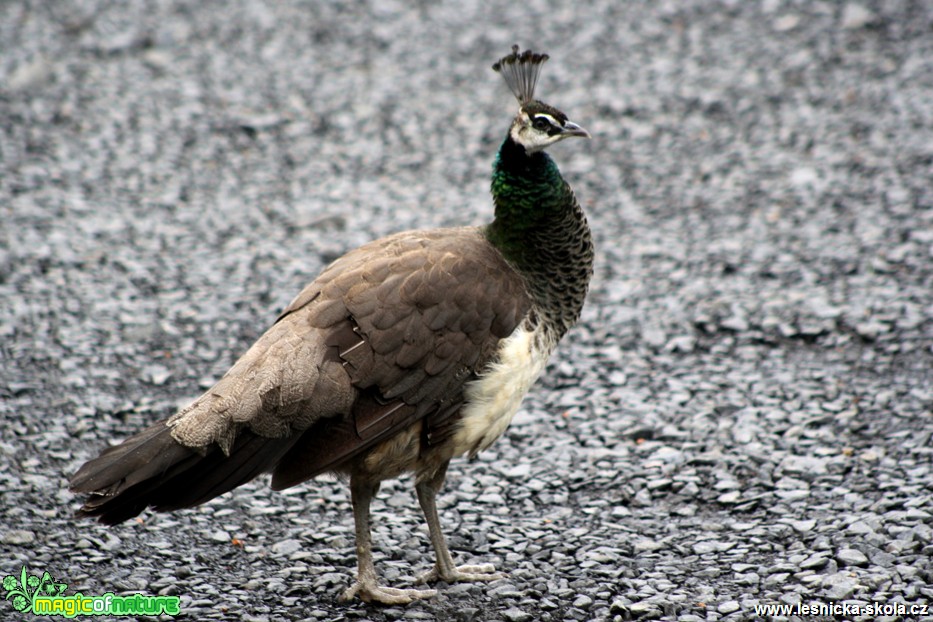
(44, 596)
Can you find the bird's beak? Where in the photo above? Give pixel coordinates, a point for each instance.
(572, 129)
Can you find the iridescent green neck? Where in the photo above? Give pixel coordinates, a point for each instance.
(541, 230)
(529, 194)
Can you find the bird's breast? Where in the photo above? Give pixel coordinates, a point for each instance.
(493, 398)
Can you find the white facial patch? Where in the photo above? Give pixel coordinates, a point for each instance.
(531, 138)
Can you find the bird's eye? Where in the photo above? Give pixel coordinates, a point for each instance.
(540, 123)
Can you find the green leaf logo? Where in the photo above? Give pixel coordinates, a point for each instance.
(23, 591)
(42, 595)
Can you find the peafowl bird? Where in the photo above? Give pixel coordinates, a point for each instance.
(403, 354)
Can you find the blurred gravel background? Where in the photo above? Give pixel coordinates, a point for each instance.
(743, 417)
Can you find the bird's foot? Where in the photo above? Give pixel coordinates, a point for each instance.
(478, 572)
(371, 592)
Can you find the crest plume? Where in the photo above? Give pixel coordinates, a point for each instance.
(520, 71)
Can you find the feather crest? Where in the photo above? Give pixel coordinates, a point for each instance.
(520, 71)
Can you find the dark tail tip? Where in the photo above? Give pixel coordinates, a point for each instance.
(153, 469)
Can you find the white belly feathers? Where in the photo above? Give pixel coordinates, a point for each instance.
(493, 399)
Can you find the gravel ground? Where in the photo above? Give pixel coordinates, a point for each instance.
(743, 416)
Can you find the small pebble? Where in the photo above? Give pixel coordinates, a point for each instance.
(18, 537)
(851, 557)
(516, 615)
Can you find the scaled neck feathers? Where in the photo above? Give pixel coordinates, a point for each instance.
(541, 230)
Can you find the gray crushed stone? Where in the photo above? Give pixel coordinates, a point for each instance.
(742, 418)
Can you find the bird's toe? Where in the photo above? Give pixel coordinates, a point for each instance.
(374, 593)
(476, 572)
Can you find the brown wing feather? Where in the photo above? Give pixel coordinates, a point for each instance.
(431, 314)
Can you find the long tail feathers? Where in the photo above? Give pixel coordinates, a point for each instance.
(153, 469)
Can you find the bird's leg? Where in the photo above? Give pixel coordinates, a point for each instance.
(367, 586)
(444, 568)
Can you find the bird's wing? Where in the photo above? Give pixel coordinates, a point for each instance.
(387, 335)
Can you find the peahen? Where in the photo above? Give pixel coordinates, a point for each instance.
(403, 354)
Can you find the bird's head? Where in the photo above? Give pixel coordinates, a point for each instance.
(537, 125)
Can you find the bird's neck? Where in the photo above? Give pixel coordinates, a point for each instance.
(541, 230)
